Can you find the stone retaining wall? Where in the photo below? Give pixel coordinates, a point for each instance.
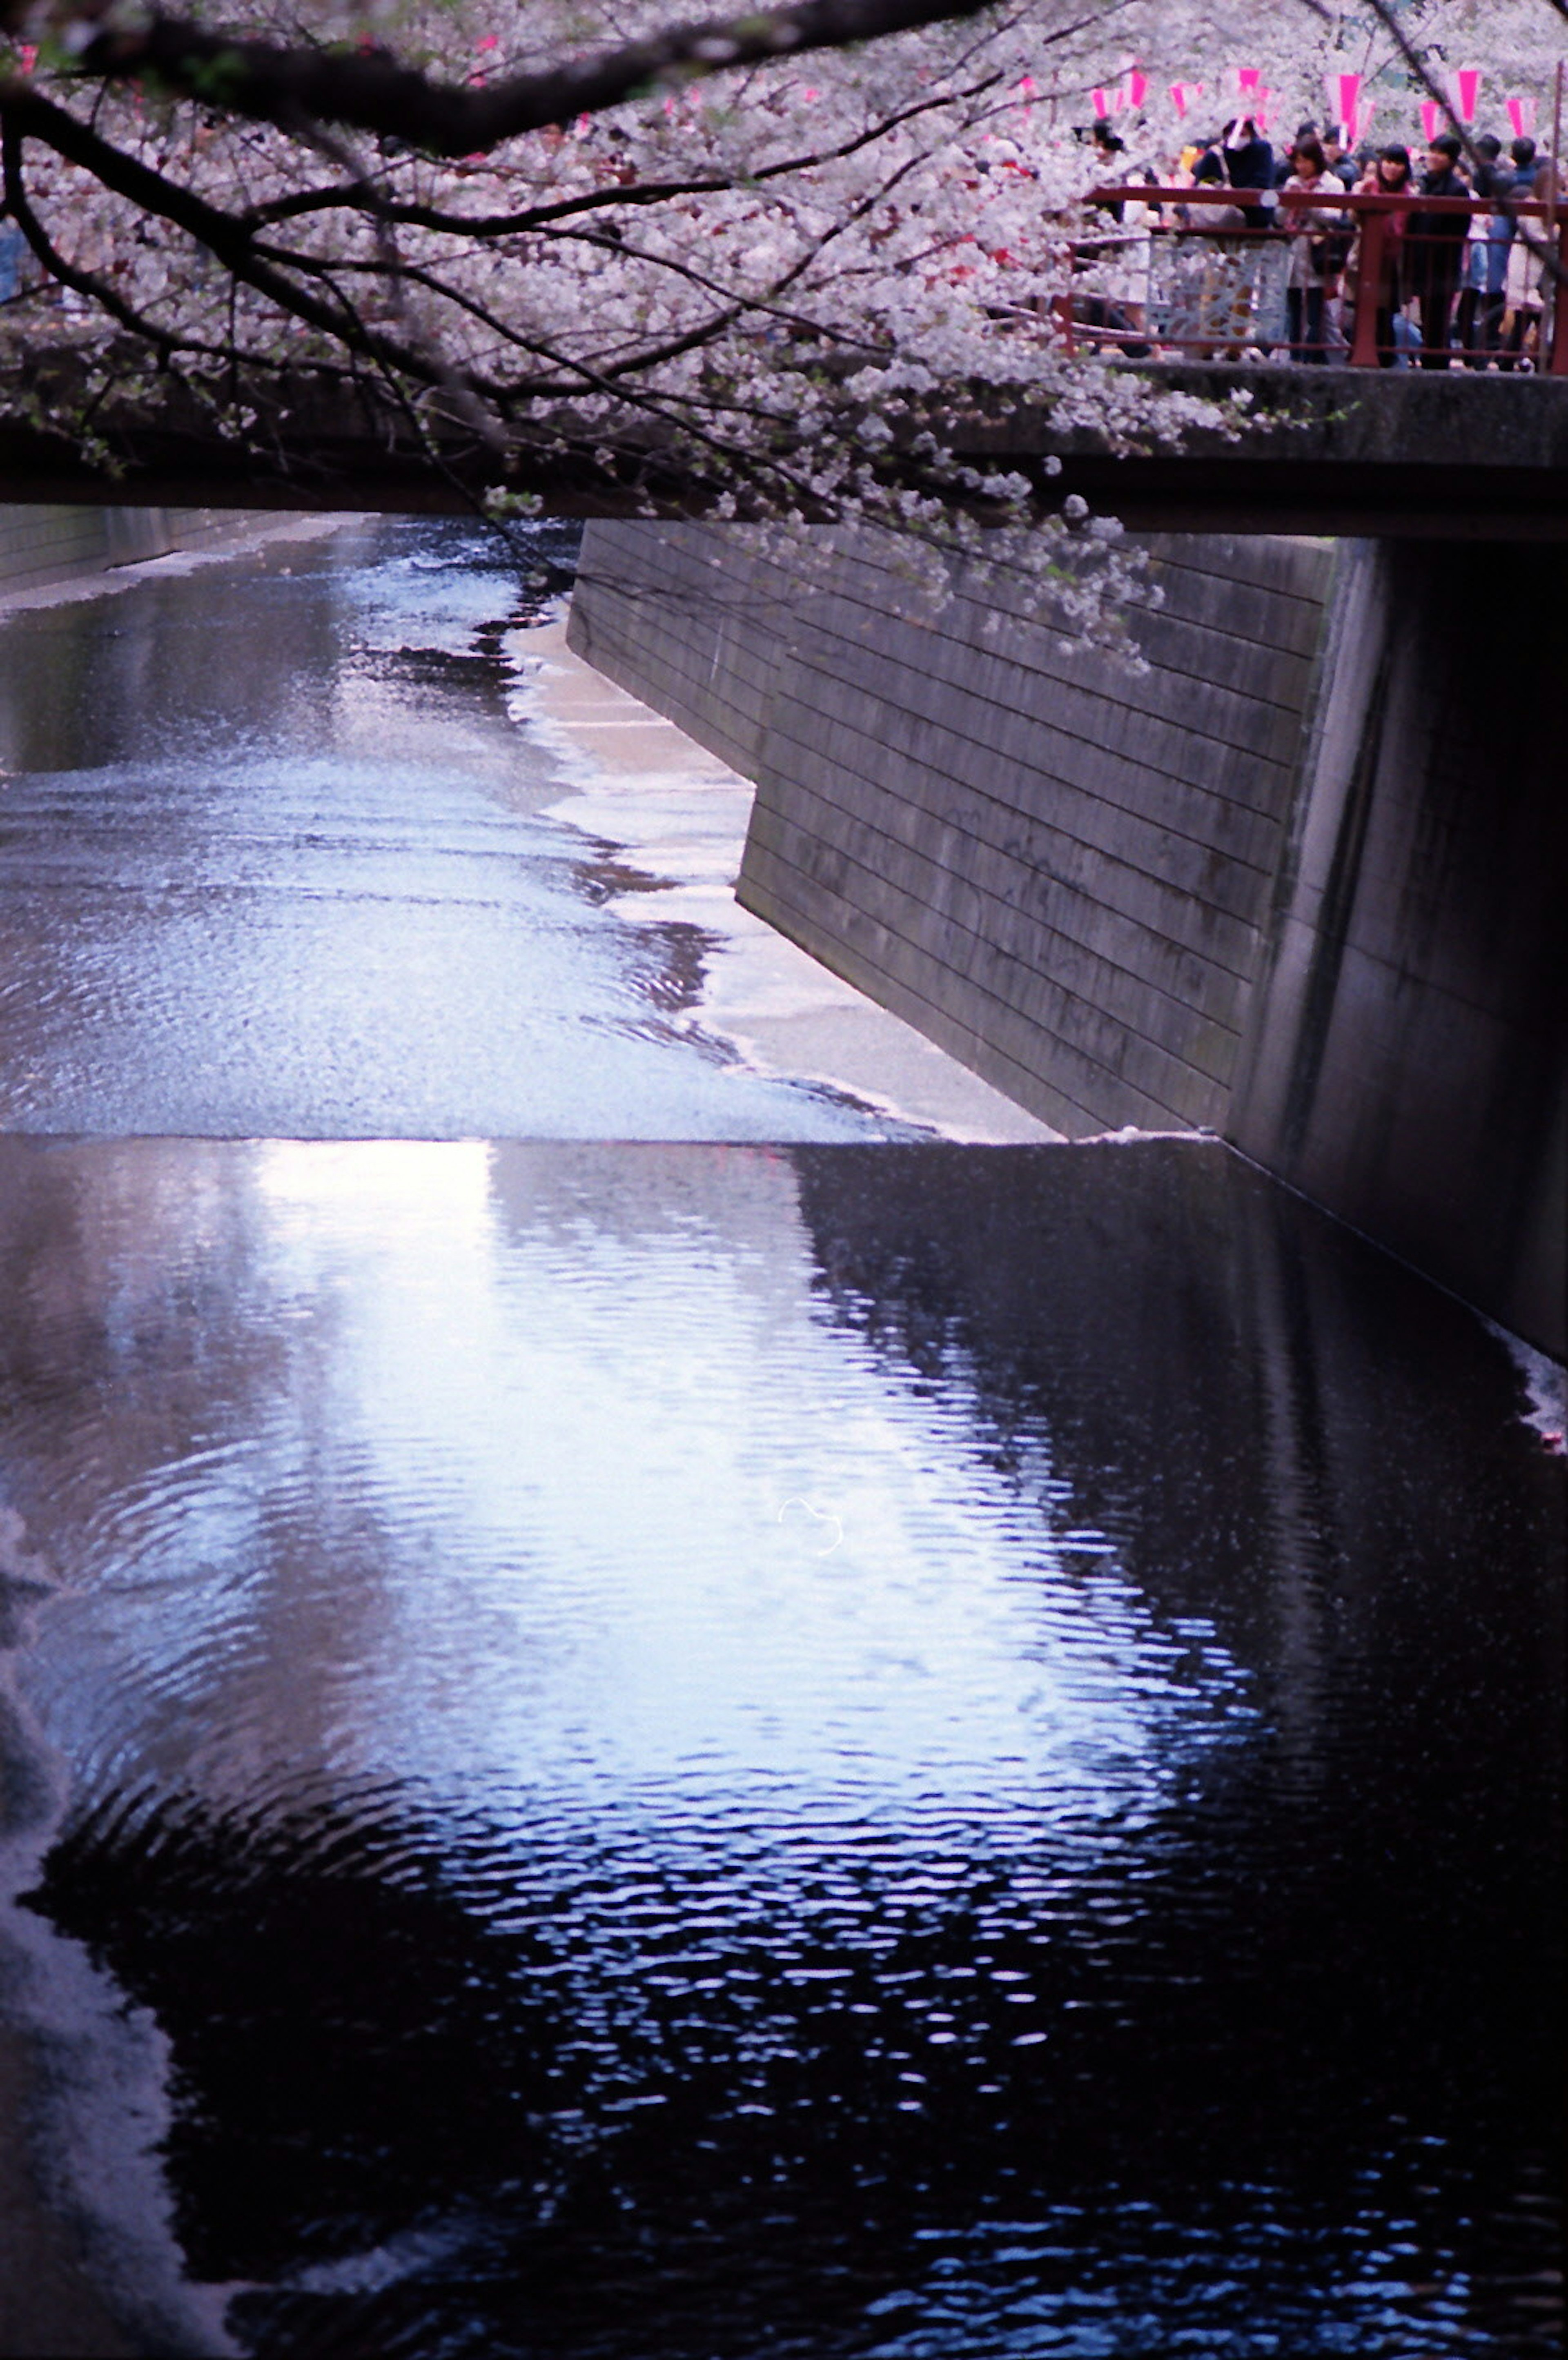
(1295, 882)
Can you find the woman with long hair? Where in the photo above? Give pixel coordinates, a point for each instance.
(1317, 256)
(1390, 175)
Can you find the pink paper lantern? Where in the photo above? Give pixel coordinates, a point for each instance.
(1464, 94)
(1344, 99)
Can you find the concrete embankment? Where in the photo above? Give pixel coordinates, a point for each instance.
(1297, 882)
(43, 546)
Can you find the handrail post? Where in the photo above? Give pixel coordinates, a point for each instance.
(1557, 365)
(1368, 288)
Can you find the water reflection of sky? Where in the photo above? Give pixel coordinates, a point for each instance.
(626, 1512)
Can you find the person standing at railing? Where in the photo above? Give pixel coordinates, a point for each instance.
(1118, 305)
(1341, 166)
(1390, 176)
(1247, 155)
(1521, 295)
(1436, 247)
(1481, 298)
(1317, 247)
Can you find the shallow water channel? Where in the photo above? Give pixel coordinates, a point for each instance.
(648, 1718)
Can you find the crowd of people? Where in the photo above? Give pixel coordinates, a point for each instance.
(1451, 286)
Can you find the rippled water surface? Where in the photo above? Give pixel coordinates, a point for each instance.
(700, 1735)
(709, 1751)
(274, 862)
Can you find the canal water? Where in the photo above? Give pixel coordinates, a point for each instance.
(645, 1721)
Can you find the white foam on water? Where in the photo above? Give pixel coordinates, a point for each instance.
(1545, 1383)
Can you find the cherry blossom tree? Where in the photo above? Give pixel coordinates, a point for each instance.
(752, 268)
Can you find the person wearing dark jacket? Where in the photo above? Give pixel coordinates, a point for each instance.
(1479, 322)
(1434, 244)
(1247, 155)
(1341, 166)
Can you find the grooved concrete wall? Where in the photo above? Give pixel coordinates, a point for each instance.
(1300, 883)
(1056, 867)
(41, 545)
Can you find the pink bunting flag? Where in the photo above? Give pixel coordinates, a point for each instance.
(1521, 114)
(1098, 100)
(1182, 94)
(1249, 82)
(1134, 88)
(1464, 94)
(1432, 119)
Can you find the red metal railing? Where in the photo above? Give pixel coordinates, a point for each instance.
(1216, 285)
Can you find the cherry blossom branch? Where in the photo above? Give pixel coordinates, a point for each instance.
(364, 196)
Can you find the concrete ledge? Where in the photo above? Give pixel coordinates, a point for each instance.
(1446, 454)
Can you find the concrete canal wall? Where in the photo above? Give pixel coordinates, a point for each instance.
(42, 545)
(1294, 882)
